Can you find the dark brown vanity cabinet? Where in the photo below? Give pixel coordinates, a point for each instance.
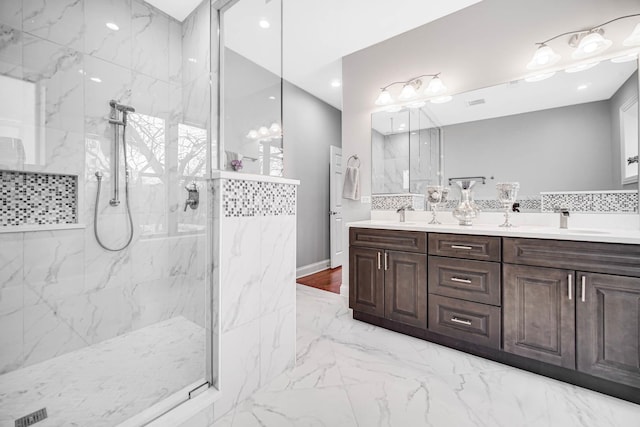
(388, 275)
(583, 320)
(464, 293)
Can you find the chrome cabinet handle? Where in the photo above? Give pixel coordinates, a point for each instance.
(570, 279)
(386, 261)
(463, 321)
(461, 247)
(378, 260)
(457, 279)
(584, 285)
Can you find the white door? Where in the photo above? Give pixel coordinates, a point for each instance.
(335, 205)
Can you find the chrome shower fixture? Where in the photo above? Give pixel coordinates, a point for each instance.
(117, 109)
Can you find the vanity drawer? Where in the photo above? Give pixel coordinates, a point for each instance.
(464, 320)
(485, 248)
(477, 281)
(399, 240)
(612, 258)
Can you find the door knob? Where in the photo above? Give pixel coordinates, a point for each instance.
(333, 213)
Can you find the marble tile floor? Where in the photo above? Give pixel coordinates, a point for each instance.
(109, 382)
(353, 374)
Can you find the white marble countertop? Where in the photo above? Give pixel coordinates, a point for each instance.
(530, 231)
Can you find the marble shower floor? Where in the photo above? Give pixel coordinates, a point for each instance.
(109, 382)
(350, 373)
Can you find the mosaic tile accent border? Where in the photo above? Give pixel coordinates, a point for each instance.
(37, 199)
(382, 202)
(600, 202)
(255, 198)
(528, 204)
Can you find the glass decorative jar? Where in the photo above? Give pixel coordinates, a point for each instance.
(467, 210)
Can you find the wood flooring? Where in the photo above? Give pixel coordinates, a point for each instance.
(327, 280)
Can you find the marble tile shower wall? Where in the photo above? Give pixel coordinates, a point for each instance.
(59, 290)
(256, 282)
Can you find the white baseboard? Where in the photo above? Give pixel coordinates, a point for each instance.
(306, 270)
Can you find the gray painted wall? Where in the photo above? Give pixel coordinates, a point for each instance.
(483, 45)
(558, 149)
(310, 127)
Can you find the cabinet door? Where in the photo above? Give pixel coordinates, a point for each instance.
(539, 313)
(406, 288)
(608, 327)
(366, 280)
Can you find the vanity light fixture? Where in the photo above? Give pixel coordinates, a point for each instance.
(336, 83)
(410, 89)
(264, 23)
(587, 43)
(112, 26)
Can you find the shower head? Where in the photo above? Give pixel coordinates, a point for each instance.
(121, 107)
(99, 175)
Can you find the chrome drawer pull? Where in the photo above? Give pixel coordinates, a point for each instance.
(461, 247)
(463, 321)
(378, 260)
(570, 278)
(386, 261)
(457, 279)
(584, 282)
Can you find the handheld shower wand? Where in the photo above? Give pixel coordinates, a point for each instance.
(116, 108)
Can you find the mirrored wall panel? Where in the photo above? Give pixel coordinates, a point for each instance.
(251, 71)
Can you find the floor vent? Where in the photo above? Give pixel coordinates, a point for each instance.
(32, 418)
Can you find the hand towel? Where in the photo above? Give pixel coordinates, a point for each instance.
(351, 188)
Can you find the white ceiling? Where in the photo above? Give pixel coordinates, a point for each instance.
(179, 9)
(317, 34)
(519, 97)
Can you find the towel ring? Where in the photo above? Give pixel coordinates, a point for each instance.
(354, 157)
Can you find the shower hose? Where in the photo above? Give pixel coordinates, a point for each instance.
(126, 195)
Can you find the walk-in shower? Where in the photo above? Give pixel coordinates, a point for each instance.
(117, 118)
(104, 296)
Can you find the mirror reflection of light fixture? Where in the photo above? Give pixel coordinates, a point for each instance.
(410, 89)
(581, 67)
(587, 43)
(539, 77)
(266, 134)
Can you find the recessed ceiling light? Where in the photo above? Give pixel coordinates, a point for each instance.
(441, 99)
(272, 97)
(581, 67)
(583, 87)
(336, 83)
(264, 23)
(112, 26)
(539, 77)
(96, 79)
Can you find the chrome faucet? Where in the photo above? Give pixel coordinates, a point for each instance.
(564, 217)
(402, 210)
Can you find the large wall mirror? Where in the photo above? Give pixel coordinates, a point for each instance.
(406, 149)
(575, 131)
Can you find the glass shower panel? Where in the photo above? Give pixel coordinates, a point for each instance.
(252, 87)
(97, 336)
